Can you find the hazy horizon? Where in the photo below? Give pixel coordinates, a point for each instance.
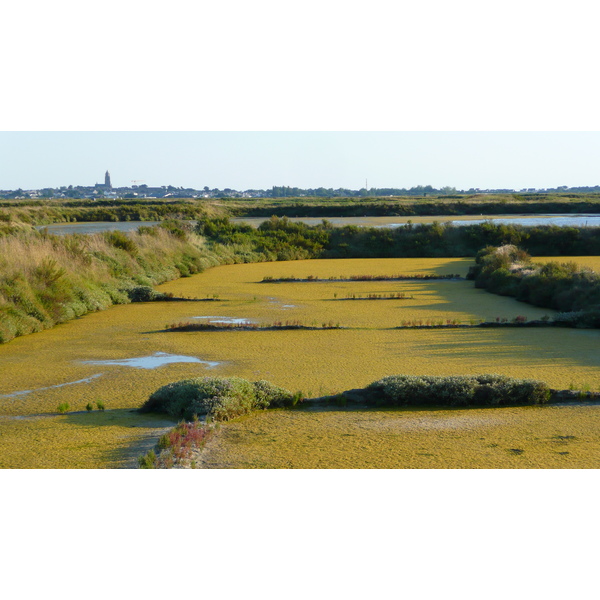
(260, 160)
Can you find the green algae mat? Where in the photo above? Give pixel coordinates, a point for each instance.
(121, 355)
(565, 437)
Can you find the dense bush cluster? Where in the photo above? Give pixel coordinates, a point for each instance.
(476, 390)
(566, 287)
(219, 398)
(275, 239)
(146, 293)
(282, 239)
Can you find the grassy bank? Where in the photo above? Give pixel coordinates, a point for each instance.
(45, 279)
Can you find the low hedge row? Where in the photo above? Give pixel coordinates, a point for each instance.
(469, 390)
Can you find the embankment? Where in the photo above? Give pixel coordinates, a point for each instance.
(46, 279)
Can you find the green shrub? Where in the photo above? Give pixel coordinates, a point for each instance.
(566, 287)
(89, 407)
(219, 398)
(100, 404)
(477, 390)
(148, 461)
(145, 293)
(119, 240)
(63, 407)
(269, 395)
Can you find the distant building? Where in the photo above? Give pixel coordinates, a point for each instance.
(107, 185)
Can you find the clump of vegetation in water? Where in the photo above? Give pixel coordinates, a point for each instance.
(417, 276)
(145, 293)
(391, 296)
(246, 326)
(219, 398)
(500, 322)
(469, 390)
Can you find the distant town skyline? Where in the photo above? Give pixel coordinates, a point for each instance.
(261, 160)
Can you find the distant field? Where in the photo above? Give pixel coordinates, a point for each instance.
(316, 362)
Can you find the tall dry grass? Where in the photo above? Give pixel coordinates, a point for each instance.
(47, 279)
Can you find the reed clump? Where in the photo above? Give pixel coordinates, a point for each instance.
(247, 326)
(399, 277)
(391, 296)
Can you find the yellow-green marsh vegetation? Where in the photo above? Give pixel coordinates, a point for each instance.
(503, 438)
(87, 441)
(315, 362)
(592, 262)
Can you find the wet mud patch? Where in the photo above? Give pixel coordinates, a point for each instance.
(431, 423)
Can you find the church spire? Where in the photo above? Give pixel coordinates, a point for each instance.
(107, 181)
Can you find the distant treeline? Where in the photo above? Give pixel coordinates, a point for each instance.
(418, 190)
(282, 239)
(371, 207)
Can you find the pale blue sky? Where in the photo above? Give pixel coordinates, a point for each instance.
(243, 160)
